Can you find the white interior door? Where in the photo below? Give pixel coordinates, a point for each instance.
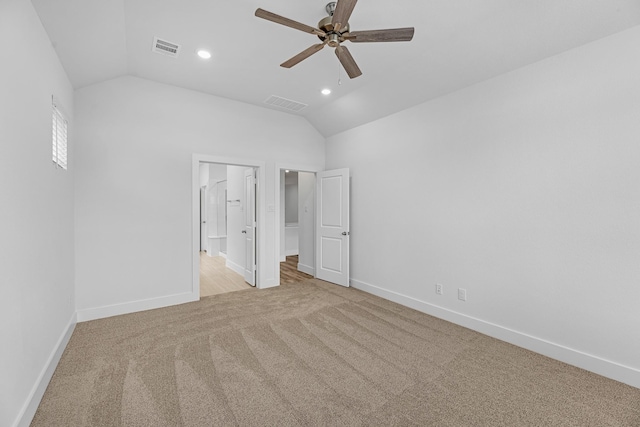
(332, 226)
(250, 226)
(203, 219)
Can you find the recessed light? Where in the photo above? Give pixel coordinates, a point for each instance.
(204, 54)
(325, 91)
(286, 171)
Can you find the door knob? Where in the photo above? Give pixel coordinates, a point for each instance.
(345, 233)
(244, 231)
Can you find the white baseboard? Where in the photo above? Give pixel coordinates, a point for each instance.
(217, 254)
(290, 252)
(307, 269)
(35, 396)
(235, 267)
(135, 306)
(606, 368)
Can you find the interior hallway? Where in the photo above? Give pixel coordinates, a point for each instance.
(289, 271)
(216, 278)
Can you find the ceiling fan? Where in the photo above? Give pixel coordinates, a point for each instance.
(333, 31)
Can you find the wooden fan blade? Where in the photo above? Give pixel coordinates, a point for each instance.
(342, 13)
(372, 36)
(303, 55)
(269, 16)
(348, 62)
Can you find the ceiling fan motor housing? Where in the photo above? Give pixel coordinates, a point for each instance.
(333, 39)
(326, 25)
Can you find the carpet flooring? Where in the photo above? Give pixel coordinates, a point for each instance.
(314, 354)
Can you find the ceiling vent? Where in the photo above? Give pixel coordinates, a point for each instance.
(287, 104)
(165, 48)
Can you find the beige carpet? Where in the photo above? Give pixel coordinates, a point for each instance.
(314, 354)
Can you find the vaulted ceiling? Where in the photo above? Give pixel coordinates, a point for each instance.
(457, 43)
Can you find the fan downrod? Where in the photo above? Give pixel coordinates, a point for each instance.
(330, 8)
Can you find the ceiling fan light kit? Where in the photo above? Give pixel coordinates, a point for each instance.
(334, 30)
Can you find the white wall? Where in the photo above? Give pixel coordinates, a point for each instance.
(204, 174)
(36, 218)
(135, 141)
(525, 191)
(217, 172)
(216, 201)
(291, 198)
(291, 213)
(306, 221)
(291, 238)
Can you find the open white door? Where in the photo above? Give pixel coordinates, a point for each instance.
(203, 219)
(250, 226)
(332, 226)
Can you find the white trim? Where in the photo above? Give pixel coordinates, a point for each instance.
(606, 368)
(134, 306)
(30, 407)
(290, 252)
(195, 224)
(235, 267)
(307, 269)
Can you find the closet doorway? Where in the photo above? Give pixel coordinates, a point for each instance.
(297, 225)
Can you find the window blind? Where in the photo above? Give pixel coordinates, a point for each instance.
(59, 138)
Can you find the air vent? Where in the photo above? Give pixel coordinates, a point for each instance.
(287, 104)
(165, 48)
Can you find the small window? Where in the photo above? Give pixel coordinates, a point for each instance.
(59, 138)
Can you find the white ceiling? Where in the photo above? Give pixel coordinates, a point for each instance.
(456, 43)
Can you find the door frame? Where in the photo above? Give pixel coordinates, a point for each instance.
(298, 168)
(261, 251)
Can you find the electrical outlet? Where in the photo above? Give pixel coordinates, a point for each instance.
(439, 289)
(462, 294)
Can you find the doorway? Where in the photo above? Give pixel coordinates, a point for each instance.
(316, 224)
(297, 224)
(229, 237)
